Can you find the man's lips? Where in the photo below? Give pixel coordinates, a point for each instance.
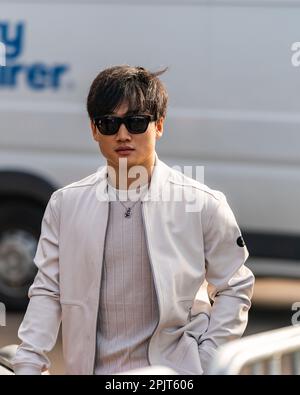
(124, 149)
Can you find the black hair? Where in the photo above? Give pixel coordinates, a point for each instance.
(141, 89)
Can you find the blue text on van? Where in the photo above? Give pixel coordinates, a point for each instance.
(37, 75)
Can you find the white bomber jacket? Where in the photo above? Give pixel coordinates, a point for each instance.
(197, 259)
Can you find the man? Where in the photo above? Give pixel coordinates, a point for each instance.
(141, 264)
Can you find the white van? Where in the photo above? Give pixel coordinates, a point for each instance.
(234, 108)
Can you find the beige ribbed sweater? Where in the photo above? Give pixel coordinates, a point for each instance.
(128, 310)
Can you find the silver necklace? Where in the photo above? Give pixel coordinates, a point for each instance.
(128, 211)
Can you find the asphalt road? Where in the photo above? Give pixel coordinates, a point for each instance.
(271, 309)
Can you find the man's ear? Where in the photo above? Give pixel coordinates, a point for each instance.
(94, 130)
(159, 128)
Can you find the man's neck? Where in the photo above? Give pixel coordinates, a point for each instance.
(118, 176)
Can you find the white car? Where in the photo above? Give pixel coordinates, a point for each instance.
(233, 83)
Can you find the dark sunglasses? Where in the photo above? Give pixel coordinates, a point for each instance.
(110, 124)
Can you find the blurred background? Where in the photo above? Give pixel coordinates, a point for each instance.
(234, 108)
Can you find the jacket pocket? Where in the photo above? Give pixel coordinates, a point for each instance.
(194, 307)
(67, 302)
(73, 336)
(197, 317)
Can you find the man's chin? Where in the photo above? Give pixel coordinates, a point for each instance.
(128, 160)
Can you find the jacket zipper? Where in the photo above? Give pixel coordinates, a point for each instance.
(99, 287)
(154, 280)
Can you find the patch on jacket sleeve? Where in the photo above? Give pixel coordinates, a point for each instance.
(240, 241)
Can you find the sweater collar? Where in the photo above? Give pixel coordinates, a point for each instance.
(159, 177)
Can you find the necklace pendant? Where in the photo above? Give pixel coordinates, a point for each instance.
(128, 213)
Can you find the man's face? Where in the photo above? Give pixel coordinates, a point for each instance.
(143, 144)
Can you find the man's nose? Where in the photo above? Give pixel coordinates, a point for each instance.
(123, 133)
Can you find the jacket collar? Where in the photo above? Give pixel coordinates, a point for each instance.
(159, 177)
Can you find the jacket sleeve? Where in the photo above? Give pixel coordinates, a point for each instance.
(39, 328)
(230, 282)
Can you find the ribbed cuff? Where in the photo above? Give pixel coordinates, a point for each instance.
(27, 369)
